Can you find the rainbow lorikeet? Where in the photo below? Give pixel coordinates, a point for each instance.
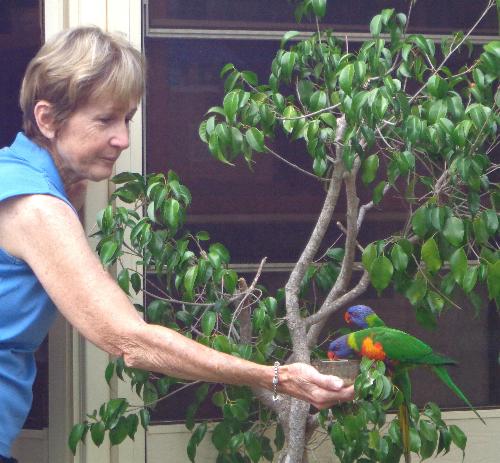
(399, 350)
(362, 317)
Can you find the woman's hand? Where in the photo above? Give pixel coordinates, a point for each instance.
(306, 383)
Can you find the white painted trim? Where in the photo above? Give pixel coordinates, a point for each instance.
(76, 376)
(238, 34)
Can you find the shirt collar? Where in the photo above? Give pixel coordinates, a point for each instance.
(37, 157)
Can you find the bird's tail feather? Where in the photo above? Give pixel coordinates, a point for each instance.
(404, 425)
(444, 376)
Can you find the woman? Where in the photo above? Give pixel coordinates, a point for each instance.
(78, 96)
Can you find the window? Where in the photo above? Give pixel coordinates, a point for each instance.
(270, 212)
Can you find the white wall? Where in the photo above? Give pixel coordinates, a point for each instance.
(168, 443)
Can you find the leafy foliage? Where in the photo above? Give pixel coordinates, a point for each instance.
(360, 432)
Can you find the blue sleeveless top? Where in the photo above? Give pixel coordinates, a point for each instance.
(26, 311)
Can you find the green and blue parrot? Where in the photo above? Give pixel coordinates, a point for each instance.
(400, 351)
(363, 317)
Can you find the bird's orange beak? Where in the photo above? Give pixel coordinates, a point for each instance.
(347, 318)
(331, 355)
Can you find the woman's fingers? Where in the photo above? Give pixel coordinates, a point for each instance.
(305, 383)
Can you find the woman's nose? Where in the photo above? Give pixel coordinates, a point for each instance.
(120, 138)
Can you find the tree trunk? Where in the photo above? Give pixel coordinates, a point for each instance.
(296, 439)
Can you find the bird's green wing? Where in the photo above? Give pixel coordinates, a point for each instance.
(404, 348)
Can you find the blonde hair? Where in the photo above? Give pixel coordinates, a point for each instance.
(76, 65)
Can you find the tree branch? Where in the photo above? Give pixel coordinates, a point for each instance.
(294, 320)
(318, 320)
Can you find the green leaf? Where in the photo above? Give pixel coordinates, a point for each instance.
(493, 280)
(118, 434)
(319, 7)
(108, 374)
(252, 446)
(230, 105)
(221, 251)
(470, 279)
(320, 166)
(437, 110)
(480, 230)
(369, 168)
(458, 265)
(107, 251)
(145, 417)
(226, 68)
(170, 212)
(97, 431)
(318, 100)
(381, 272)
(490, 219)
(420, 221)
(255, 139)
(479, 115)
(430, 255)
(77, 433)
(378, 192)
(376, 25)
(437, 87)
(289, 122)
(368, 256)
(190, 279)
(380, 106)
(417, 290)
(346, 77)
(454, 231)
(136, 282)
(458, 437)
(202, 236)
(438, 217)
(132, 424)
(287, 64)
(288, 36)
(329, 119)
(435, 301)
(493, 47)
(399, 258)
(208, 322)
(123, 279)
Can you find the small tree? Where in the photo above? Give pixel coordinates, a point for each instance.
(391, 118)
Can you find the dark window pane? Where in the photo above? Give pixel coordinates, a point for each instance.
(183, 83)
(443, 16)
(271, 211)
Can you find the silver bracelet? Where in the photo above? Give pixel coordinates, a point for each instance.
(275, 380)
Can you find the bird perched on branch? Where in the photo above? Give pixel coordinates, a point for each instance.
(363, 317)
(399, 350)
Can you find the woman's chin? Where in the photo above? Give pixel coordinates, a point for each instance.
(102, 173)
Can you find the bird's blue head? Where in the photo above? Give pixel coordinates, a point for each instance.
(357, 315)
(339, 349)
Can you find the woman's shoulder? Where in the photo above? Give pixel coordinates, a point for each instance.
(20, 177)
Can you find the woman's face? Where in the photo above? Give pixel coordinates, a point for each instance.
(91, 140)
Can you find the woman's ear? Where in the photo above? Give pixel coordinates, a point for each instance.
(45, 119)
